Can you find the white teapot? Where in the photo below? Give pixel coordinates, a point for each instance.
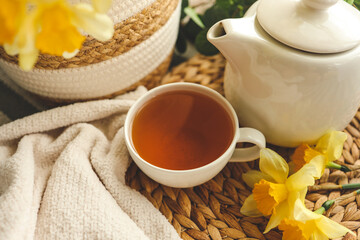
(293, 67)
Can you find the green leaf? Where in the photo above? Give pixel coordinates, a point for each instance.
(246, 5)
(195, 30)
(203, 45)
(191, 30)
(225, 4)
(184, 4)
(357, 4)
(194, 16)
(213, 15)
(350, 2)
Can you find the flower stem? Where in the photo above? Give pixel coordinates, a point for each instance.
(326, 205)
(351, 186)
(334, 187)
(338, 167)
(320, 210)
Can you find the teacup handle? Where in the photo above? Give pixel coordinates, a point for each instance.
(250, 135)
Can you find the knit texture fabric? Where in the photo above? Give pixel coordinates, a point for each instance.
(62, 176)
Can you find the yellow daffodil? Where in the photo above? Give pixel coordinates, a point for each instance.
(307, 225)
(274, 193)
(328, 149)
(101, 6)
(24, 43)
(12, 13)
(98, 25)
(57, 33)
(53, 27)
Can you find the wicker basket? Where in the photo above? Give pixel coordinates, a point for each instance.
(140, 51)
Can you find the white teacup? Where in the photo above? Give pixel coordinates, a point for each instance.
(196, 176)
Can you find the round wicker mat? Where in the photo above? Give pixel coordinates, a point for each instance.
(212, 210)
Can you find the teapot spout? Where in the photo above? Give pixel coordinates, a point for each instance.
(226, 35)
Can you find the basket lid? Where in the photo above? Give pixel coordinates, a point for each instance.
(319, 26)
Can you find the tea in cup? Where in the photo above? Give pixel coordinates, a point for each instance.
(183, 134)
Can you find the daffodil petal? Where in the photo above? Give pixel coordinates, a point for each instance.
(301, 194)
(25, 38)
(332, 144)
(307, 174)
(37, 2)
(28, 60)
(325, 227)
(301, 213)
(24, 43)
(11, 49)
(253, 176)
(12, 13)
(249, 207)
(331, 228)
(99, 25)
(280, 213)
(318, 235)
(319, 163)
(294, 196)
(273, 165)
(101, 6)
(302, 178)
(68, 55)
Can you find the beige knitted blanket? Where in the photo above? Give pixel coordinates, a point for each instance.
(62, 176)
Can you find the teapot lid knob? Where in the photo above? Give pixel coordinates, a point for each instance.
(320, 4)
(318, 26)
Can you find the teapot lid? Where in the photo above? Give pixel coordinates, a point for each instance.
(319, 26)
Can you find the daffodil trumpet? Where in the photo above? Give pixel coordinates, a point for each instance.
(274, 192)
(328, 149)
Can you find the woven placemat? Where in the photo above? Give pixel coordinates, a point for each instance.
(212, 210)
